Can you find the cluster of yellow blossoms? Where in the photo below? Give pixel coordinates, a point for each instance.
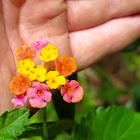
(35, 81)
(39, 73)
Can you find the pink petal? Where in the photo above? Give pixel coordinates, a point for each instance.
(24, 99)
(35, 46)
(37, 103)
(67, 81)
(43, 41)
(73, 84)
(67, 98)
(19, 101)
(63, 91)
(31, 92)
(40, 43)
(47, 96)
(40, 86)
(77, 95)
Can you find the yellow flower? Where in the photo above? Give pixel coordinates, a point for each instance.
(38, 73)
(54, 80)
(25, 66)
(62, 80)
(48, 53)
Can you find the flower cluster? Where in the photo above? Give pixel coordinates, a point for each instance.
(35, 81)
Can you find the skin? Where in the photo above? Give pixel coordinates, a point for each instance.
(84, 29)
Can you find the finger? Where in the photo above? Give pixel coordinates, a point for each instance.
(84, 14)
(31, 20)
(90, 45)
(7, 69)
(46, 19)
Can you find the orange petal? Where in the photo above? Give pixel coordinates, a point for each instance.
(25, 52)
(65, 66)
(20, 84)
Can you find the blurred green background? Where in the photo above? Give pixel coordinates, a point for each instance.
(113, 80)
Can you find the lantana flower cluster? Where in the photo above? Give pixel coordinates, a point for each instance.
(36, 83)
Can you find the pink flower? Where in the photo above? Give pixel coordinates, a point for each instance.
(72, 92)
(39, 44)
(39, 96)
(19, 100)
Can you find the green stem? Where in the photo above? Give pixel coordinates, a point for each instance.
(44, 124)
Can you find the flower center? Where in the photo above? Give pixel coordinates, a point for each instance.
(62, 67)
(23, 83)
(22, 95)
(53, 80)
(69, 90)
(39, 93)
(28, 68)
(27, 56)
(38, 76)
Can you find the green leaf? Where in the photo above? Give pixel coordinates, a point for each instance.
(54, 129)
(12, 123)
(113, 123)
(132, 47)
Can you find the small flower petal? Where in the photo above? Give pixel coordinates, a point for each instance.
(62, 80)
(77, 95)
(38, 73)
(40, 86)
(40, 43)
(47, 96)
(65, 65)
(54, 80)
(48, 53)
(67, 98)
(31, 92)
(25, 52)
(72, 91)
(25, 66)
(38, 95)
(20, 84)
(73, 83)
(19, 100)
(37, 103)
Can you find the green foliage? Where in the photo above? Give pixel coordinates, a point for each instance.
(33, 138)
(135, 90)
(113, 123)
(108, 91)
(132, 61)
(54, 129)
(132, 47)
(82, 108)
(12, 123)
(63, 136)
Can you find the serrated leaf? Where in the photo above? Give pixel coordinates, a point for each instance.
(54, 129)
(12, 123)
(113, 123)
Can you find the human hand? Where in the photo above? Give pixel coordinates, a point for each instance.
(84, 29)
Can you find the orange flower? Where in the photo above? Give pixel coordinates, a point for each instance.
(25, 52)
(65, 66)
(20, 84)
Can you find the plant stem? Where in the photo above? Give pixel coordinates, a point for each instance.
(44, 124)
